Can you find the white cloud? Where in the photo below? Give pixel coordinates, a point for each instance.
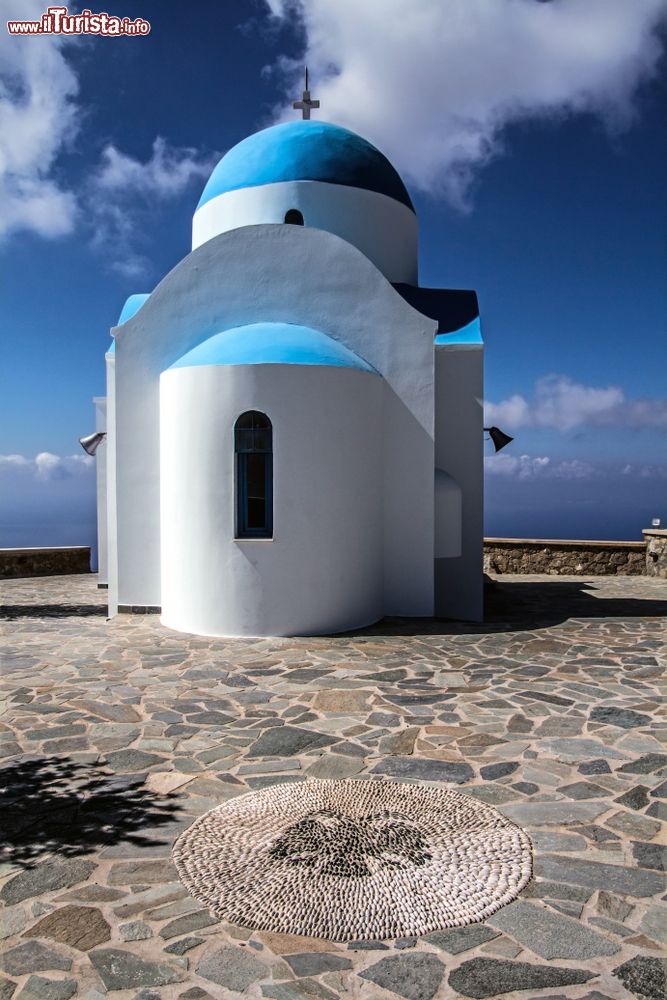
(116, 235)
(46, 466)
(516, 467)
(541, 467)
(512, 412)
(574, 469)
(12, 461)
(166, 173)
(647, 471)
(434, 82)
(38, 118)
(561, 403)
(122, 194)
(40, 113)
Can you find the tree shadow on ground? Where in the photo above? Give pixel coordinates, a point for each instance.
(526, 606)
(56, 805)
(12, 612)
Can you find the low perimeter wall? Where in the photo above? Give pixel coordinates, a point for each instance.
(656, 552)
(501, 555)
(44, 562)
(564, 558)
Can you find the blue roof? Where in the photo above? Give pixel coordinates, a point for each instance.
(305, 151)
(272, 344)
(133, 304)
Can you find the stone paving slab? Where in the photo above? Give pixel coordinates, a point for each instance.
(115, 735)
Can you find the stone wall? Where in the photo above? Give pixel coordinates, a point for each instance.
(501, 555)
(44, 562)
(656, 552)
(564, 558)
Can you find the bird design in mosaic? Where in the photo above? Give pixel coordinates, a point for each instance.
(331, 843)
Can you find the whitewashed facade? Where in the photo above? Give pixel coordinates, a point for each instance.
(359, 493)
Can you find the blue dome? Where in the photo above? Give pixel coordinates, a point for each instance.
(272, 344)
(305, 151)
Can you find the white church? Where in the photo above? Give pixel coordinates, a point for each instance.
(291, 439)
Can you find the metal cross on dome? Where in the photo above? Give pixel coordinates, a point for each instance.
(305, 104)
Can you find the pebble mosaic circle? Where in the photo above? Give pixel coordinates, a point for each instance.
(353, 859)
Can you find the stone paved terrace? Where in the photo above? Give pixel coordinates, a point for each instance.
(116, 734)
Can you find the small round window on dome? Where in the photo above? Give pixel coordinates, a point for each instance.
(293, 217)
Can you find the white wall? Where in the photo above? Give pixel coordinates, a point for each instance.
(448, 516)
(322, 571)
(383, 229)
(101, 482)
(459, 449)
(285, 274)
(112, 511)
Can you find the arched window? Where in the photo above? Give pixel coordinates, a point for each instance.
(253, 444)
(293, 217)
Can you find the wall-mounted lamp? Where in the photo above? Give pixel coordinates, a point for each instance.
(499, 438)
(91, 443)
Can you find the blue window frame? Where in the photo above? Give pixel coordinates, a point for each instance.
(253, 445)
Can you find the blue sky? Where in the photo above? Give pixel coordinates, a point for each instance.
(532, 137)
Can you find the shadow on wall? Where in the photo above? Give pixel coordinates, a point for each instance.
(55, 805)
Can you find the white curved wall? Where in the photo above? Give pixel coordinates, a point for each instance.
(383, 229)
(322, 571)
